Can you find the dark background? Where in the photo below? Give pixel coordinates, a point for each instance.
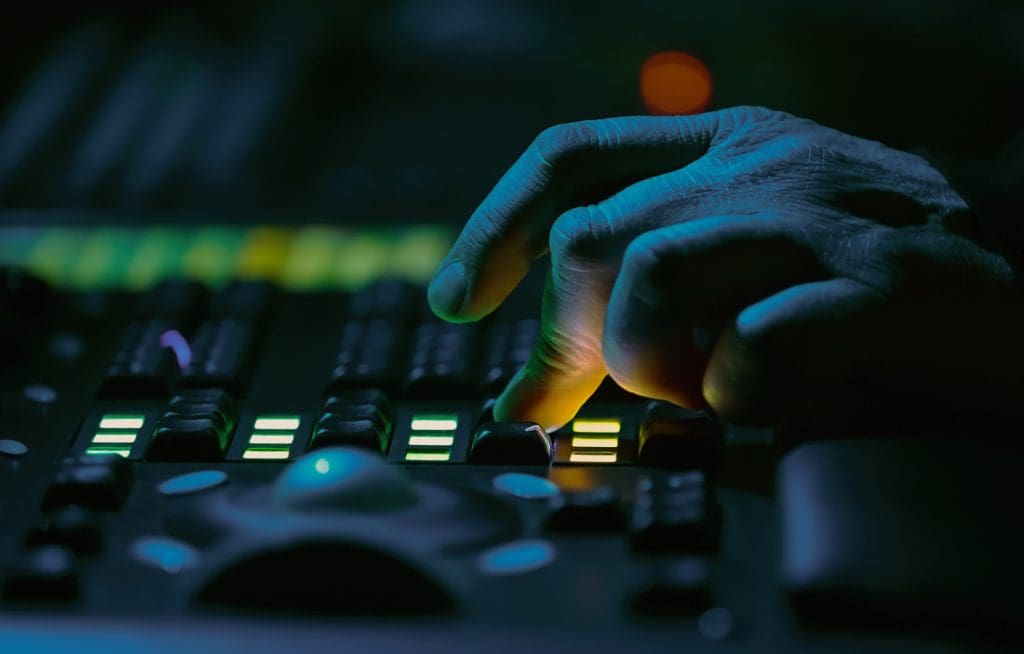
(410, 110)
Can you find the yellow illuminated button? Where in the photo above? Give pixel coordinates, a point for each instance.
(596, 425)
(598, 442)
(592, 457)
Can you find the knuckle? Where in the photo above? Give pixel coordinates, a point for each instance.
(575, 235)
(643, 257)
(558, 142)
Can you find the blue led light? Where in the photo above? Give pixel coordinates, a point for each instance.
(192, 482)
(517, 558)
(171, 556)
(527, 487)
(173, 339)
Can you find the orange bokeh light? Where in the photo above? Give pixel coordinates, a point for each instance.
(675, 83)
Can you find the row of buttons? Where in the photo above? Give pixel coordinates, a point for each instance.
(48, 569)
(153, 355)
(199, 424)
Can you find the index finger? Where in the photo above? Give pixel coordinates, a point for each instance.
(565, 166)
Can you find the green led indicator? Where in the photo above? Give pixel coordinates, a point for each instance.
(435, 422)
(121, 421)
(266, 454)
(276, 423)
(428, 455)
(108, 449)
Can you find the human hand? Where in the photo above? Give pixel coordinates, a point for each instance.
(822, 258)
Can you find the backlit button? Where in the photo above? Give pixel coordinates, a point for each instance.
(516, 558)
(192, 482)
(45, 574)
(524, 486)
(12, 448)
(511, 443)
(166, 554)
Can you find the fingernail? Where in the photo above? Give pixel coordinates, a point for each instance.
(447, 292)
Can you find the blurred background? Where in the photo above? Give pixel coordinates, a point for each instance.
(409, 110)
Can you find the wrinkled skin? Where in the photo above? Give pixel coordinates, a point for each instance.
(820, 260)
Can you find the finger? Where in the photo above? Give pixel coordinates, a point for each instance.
(566, 166)
(566, 367)
(693, 274)
(782, 352)
(587, 246)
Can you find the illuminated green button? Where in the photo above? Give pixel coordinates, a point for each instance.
(431, 440)
(121, 421)
(276, 423)
(428, 455)
(266, 454)
(108, 449)
(434, 422)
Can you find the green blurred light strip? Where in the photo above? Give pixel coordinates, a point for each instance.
(318, 256)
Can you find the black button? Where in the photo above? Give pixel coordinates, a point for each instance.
(368, 356)
(204, 401)
(511, 443)
(362, 411)
(673, 437)
(443, 362)
(45, 574)
(100, 484)
(680, 588)
(142, 367)
(594, 510)
(73, 527)
(221, 354)
(333, 429)
(486, 412)
(675, 515)
(188, 439)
